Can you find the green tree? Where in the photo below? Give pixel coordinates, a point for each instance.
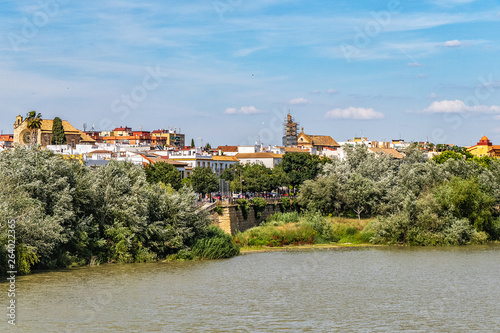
(446, 155)
(257, 178)
(359, 194)
(204, 180)
(192, 143)
(165, 173)
(58, 137)
(300, 167)
(33, 123)
(279, 178)
(321, 195)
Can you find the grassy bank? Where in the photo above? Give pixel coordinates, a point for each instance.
(291, 230)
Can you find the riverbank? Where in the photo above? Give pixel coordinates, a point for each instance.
(257, 249)
(292, 230)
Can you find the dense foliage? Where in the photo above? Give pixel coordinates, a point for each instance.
(255, 178)
(164, 173)
(204, 180)
(300, 167)
(66, 213)
(453, 200)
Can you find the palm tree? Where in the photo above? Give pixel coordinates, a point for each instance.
(34, 122)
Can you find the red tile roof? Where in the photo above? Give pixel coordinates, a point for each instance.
(228, 149)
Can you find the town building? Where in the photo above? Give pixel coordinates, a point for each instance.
(319, 142)
(22, 134)
(196, 158)
(290, 127)
(484, 148)
(227, 150)
(6, 140)
(269, 160)
(164, 137)
(387, 151)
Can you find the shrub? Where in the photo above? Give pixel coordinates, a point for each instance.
(282, 218)
(290, 234)
(259, 205)
(286, 204)
(216, 245)
(323, 227)
(243, 206)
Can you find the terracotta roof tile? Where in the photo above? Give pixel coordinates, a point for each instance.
(258, 155)
(228, 149)
(295, 150)
(224, 158)
(68, 128)
(324, 140)
(387, 151)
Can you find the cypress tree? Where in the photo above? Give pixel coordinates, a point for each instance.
(192, 143)
(58, 136)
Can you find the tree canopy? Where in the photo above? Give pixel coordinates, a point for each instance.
(34, 122)
(300, 167)
(66, 213)
(204, 180)
(162, 172)
(58, 136)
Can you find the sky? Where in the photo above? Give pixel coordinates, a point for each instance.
(226, 72)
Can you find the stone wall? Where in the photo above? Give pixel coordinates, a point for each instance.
(232, 220)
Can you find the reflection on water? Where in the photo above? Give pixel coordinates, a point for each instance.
(346, 290)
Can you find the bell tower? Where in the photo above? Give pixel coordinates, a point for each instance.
(19, 121)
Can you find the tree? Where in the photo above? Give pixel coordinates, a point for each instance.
(208, 146)
(58, 137)
(321, 195)
(359, 194)
(446, 155)
(257, 178)
(165, 173)
(192, 143)
(300, 167)
(34, 122)
(204, 180)
(279, 177)
(234, 175)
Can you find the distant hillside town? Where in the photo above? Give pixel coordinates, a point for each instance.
(97, 148)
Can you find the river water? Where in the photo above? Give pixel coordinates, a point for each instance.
(449, 289)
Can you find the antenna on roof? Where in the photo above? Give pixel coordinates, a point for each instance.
(93, 127)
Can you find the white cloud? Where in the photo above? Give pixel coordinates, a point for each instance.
(458, 106)
(243, 110)
(354, 113)
(332, 91)
(316, 92)
(414, 64)
(298, 101)
(453, 43)
(247, 51)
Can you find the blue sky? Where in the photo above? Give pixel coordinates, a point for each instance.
(227, 72)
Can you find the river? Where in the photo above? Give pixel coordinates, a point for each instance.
(387, 289)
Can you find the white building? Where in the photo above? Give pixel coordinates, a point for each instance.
(269, 160)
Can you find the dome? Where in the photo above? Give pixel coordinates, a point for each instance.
(484, 138)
